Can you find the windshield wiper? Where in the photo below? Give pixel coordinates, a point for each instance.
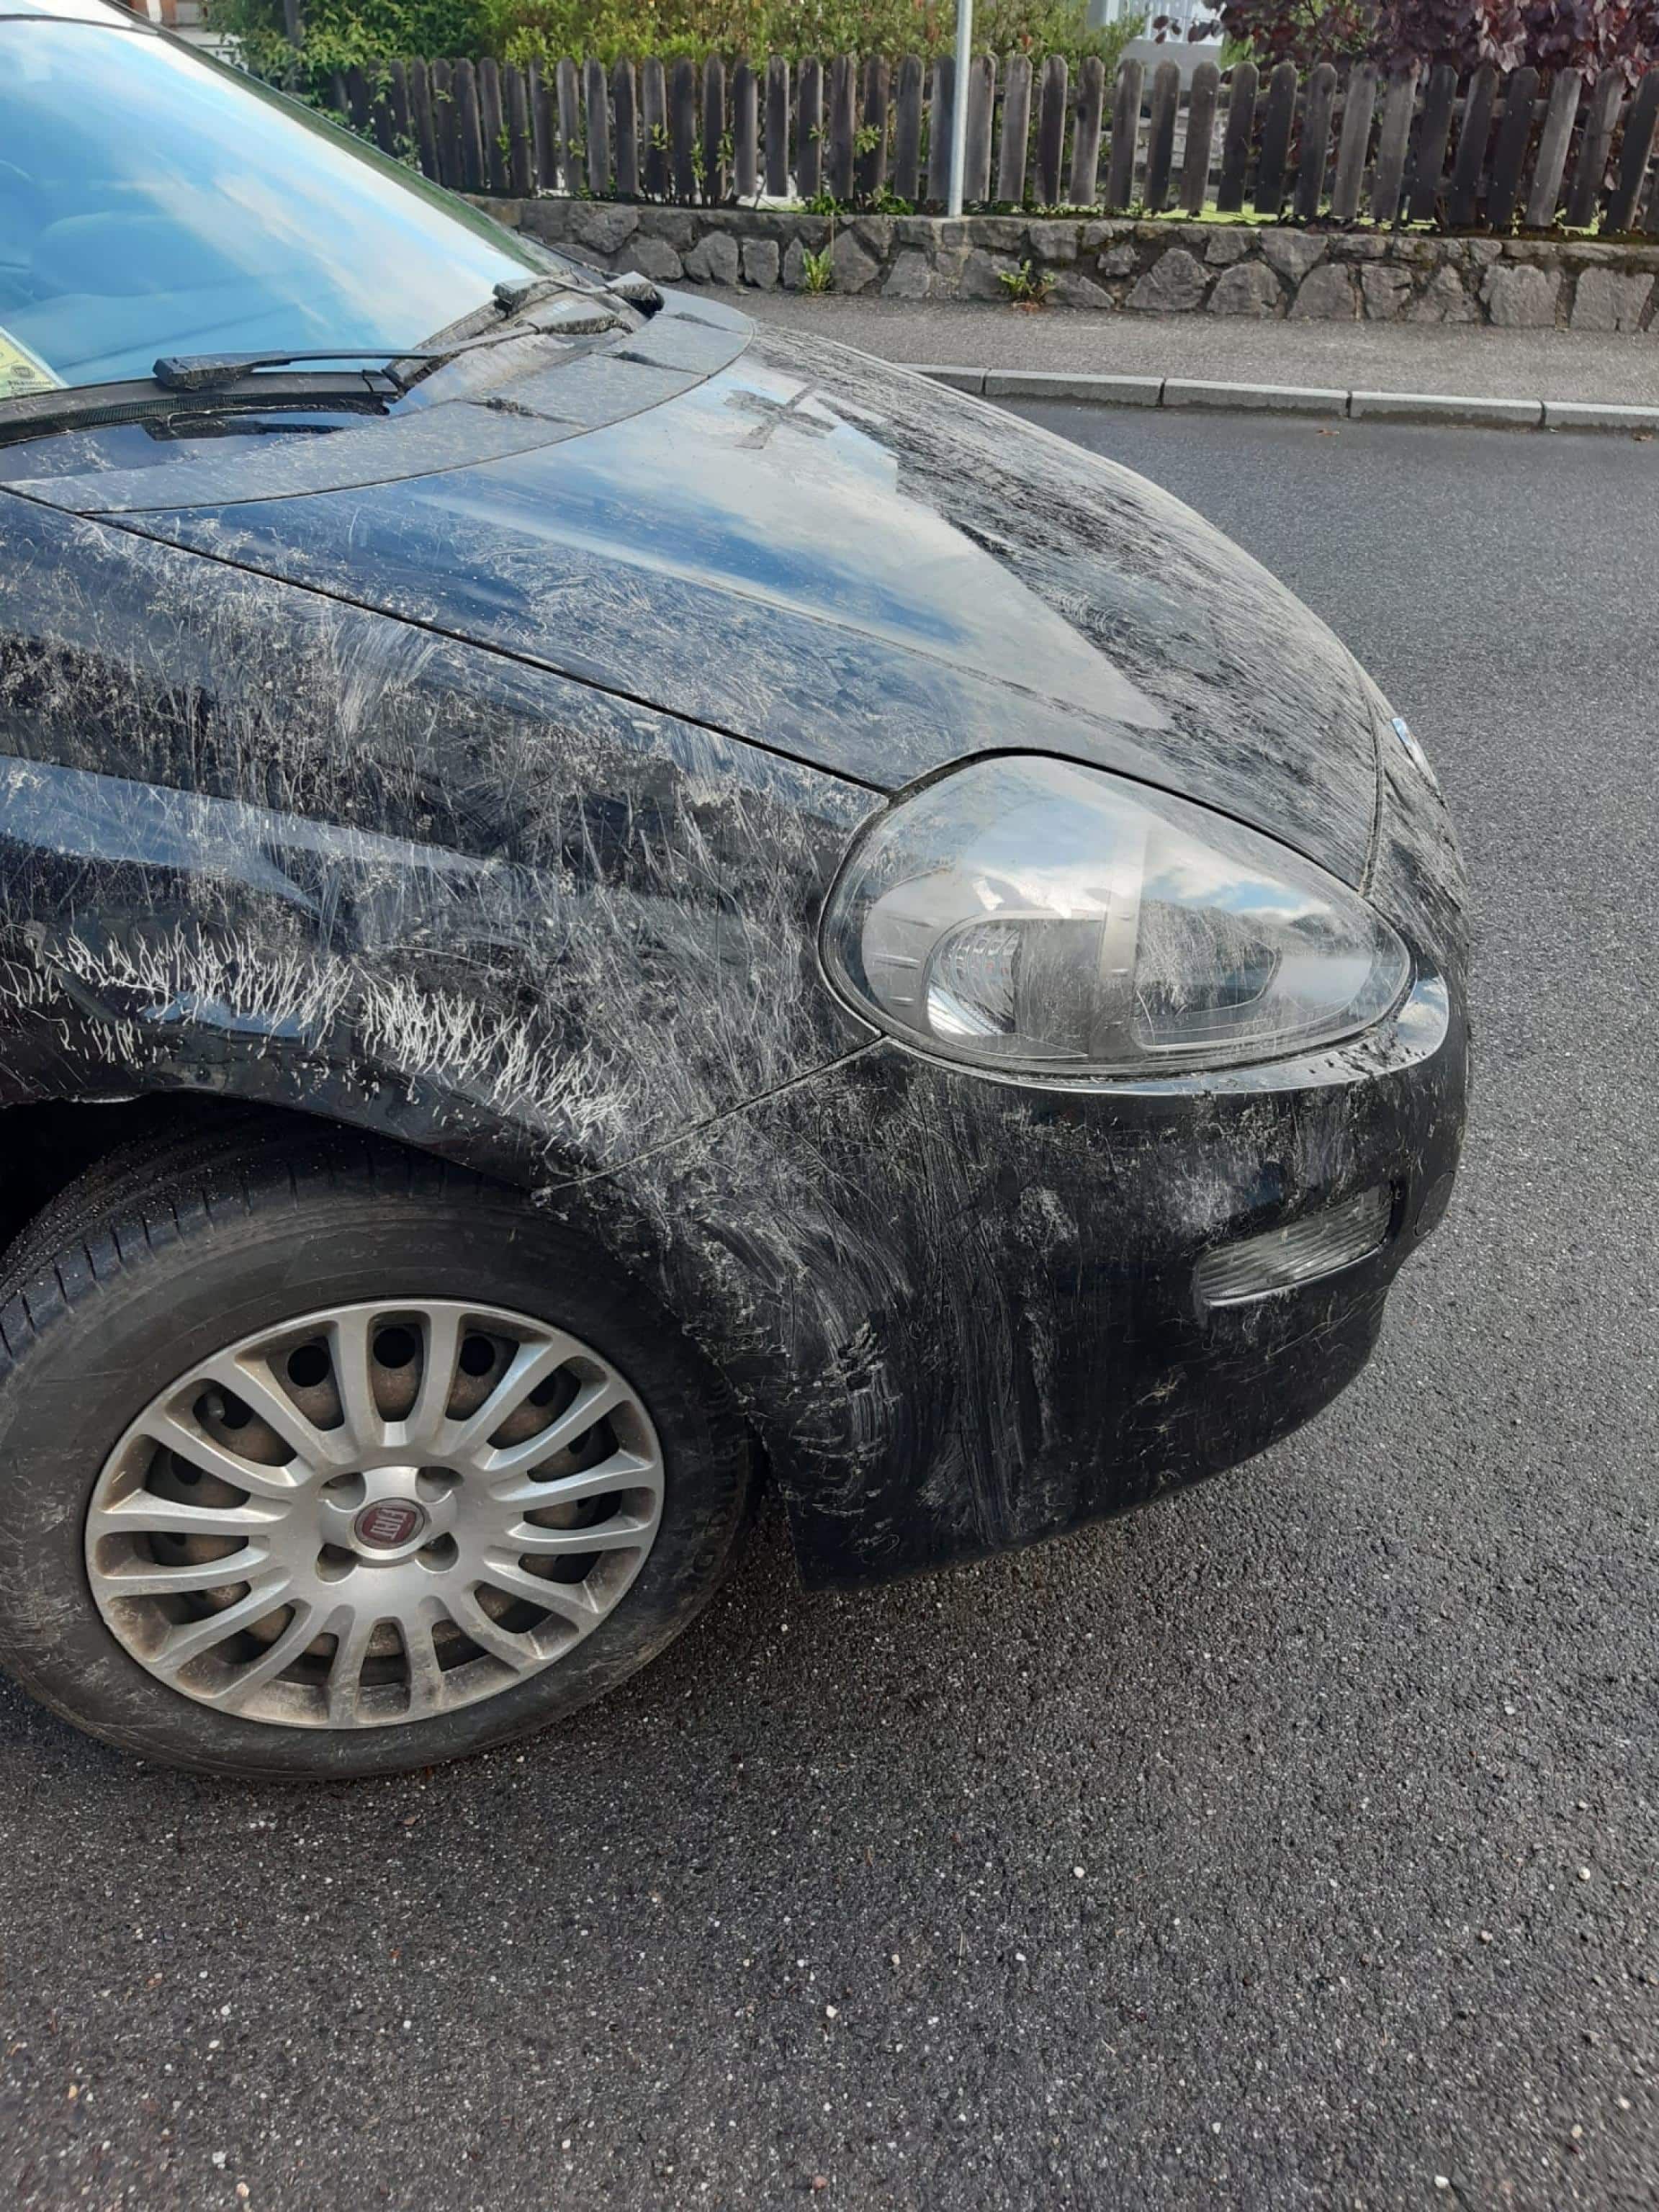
(208, 372)
(98, 406)
(235, 381)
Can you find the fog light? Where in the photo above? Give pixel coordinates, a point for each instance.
(1318, 1244)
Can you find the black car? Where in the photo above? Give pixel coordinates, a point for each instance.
(598, 905)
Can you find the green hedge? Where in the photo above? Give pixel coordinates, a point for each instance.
(342, 32)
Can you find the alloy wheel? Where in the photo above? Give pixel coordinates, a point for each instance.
(374, 1514)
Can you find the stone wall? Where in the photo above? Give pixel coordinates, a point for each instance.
(1165, 268)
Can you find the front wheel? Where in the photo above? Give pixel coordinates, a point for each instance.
(320, 1459)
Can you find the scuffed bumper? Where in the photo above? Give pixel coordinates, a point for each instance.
(961, 1313)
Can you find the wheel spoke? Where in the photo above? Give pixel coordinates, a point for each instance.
(263, 1395)
(281, 1653)
(141, 1513)
(355, 1630)
(426, 1676)
(529, 1367)
(569, 1599)
(208, 1457)
(622, 1533)
(440, 1350)
(621, 1471)
(193, 1637)
(144, 1579)
(590, 1403)
(350, 1336)
(468, 1616)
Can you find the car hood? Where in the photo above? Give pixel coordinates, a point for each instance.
(811, 550)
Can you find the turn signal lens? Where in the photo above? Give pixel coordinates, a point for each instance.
(1029, 915)
(1318, 1244)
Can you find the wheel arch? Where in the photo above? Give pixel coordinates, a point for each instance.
(48, 1142)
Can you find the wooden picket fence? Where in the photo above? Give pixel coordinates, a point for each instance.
(1488, 152)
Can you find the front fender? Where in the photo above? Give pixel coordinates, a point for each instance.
(539, 1021)
(257, 839)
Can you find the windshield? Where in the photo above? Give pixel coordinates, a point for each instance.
(152, 201)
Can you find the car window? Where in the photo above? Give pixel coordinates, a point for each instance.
(153, 201)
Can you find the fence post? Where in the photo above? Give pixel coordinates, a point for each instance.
(777, 128)
(353, 101)
(1433, 131)
(1200, 137)
(1051, 129)
(714, 132)
(468, 128)
(1126, 128)
(493, 124)
(520, 141)
(1235, 138)
(1558, 119)
(1468, 168)
(545, 130)
(1315, 142)
(1085, 133)
(399, 123)
(1391, 140)
(596, 104)
(1600, 120)
(1510, 155)
(422, 126)
(1160, 137)
(442, 78)
(683, 132)
(1012, 152)
(745, 129)
(1640, 126)
(1358, 107)
(941, 108)
(870, 171)
(570, 127)
(653, 126)
(809, 134)
(838, 170)
(626, 152)
(976, 146)
(1277, 122)
(907, 130)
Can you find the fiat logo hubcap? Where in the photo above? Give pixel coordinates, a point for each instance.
(388, 1523)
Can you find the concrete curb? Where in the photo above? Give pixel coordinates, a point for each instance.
(1292, 399)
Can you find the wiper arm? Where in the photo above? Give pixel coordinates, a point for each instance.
(207, 372)
(515, 294)
(96, 406)
(285, 379)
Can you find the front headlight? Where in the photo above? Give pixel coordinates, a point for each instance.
(1027, 914)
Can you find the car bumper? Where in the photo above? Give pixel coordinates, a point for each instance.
(962, 1313)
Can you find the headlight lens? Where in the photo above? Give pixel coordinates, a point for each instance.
(1028, 913)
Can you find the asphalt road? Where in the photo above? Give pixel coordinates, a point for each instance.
(1293, 1844)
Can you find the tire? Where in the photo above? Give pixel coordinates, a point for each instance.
(162, 1257)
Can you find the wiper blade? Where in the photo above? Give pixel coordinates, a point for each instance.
(207, 372)
(96, 406)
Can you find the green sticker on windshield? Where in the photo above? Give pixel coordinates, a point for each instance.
(22, 372)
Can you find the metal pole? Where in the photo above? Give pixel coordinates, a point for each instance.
(959, 104)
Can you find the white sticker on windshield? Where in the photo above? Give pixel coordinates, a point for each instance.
(22, 372)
